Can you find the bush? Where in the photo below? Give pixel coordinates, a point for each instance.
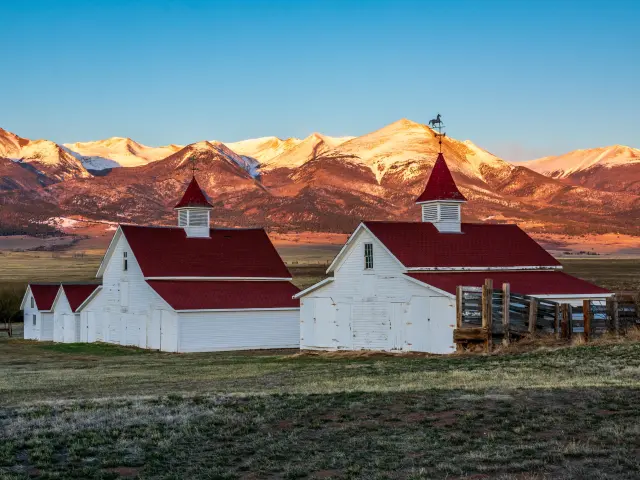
(10, 298)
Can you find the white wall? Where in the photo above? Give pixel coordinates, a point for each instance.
(245, 330)
(65, 321)
(377, 309)
(31, 332)
(123, 310)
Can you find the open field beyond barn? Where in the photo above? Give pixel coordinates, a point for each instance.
(99, 411)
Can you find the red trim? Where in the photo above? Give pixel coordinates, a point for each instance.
(525, 283)
(440, 185)
(216, 295)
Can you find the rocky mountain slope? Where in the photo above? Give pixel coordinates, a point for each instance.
(319, 183)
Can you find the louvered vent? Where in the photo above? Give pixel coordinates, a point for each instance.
(449, 212)
(198, 218)
(429, 212)
(183, 218)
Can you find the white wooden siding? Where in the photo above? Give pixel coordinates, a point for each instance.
(222, 331)
(31, 332)
(374, 309)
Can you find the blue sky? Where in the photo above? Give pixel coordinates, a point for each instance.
(520, 78)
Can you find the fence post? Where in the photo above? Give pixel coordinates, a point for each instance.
(533, 314)
(565, 321)
(506, 294)
(556, 320)
(586, 315)
(615, 316)
(487, 299)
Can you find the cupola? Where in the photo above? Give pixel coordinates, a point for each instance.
(193, 211)
(441, 200)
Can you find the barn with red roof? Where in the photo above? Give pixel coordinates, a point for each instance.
(394, 283)
(192, 288)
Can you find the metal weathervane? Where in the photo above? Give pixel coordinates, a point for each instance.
(194, 169)
(437, 126)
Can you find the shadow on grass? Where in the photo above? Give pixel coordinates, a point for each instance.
(562, 433)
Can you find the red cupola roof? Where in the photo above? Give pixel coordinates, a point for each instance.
(440, 185)
(194, 197)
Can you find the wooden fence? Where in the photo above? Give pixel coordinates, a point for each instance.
(486, 315)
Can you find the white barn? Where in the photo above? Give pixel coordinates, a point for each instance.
(394, 283)
(193, 288)
(37, 306)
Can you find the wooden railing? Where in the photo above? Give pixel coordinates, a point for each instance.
(486, 315)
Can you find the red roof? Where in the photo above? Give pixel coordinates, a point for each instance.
(168, 252)
(77, 293)
(44, 295)
(212, 295)
(440, 185)
(193, 196)
(525, 283)
(420, 244)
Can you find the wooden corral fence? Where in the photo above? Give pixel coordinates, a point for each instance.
(486, 315)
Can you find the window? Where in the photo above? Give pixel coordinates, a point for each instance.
(34, 320)
(125, 261)
(368, 256)
(33, 303)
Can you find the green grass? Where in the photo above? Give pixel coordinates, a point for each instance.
(101, 411)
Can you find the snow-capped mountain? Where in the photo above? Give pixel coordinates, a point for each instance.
(615, 168)
(563, 166)
(45, 157)
(318, 183)
(118, 152)
(273, 152)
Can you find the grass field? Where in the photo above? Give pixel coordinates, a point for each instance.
(97, 411)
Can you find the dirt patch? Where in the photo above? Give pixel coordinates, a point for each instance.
(446, 418)
(127, 472)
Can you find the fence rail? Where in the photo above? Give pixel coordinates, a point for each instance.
(486, 315)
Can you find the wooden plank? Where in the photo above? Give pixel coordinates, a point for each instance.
(506, 297)
(533, 315)
(586, 309)
(470, 334)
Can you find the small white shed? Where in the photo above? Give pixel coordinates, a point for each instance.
(37, 306)
(67, 327)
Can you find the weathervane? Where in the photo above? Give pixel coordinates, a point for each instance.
(437, 125)
(194, 169)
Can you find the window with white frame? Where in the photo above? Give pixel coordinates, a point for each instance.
(125, 262)
(33, 302)
(368, 256)
(34, 320)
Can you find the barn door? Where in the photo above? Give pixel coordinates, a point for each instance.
(442, 318)
(417, 328)
(398, 320)
(343, 335)
(307, 320)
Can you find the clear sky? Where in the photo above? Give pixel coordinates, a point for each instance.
(520, 78)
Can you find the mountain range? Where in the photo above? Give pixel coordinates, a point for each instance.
(319, 183)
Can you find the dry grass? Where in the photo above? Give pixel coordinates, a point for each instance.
(102, 411)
